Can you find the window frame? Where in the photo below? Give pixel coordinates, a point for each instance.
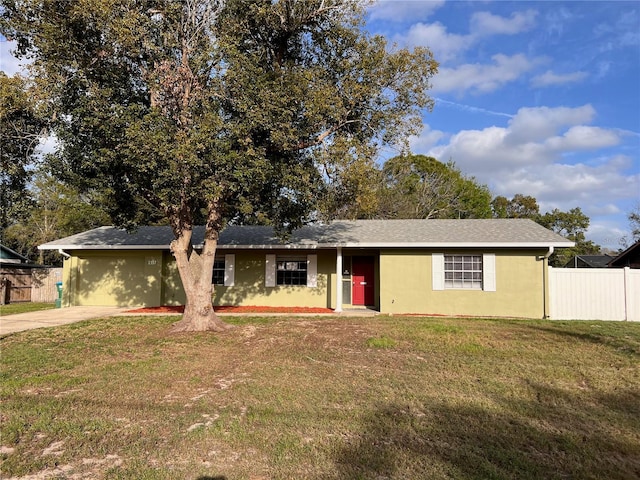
(224, 272)
(463, 272)
(291, 270)
(218, 271)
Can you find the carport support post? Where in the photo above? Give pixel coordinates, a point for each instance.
(338, 308)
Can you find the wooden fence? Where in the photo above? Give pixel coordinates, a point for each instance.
(15, 284)
(20, 284)
(43, 284)
(594, 294)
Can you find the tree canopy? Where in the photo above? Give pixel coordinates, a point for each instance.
(57, 210)
(214, 112)
(417, 186)
(520, 206)
(21, 128)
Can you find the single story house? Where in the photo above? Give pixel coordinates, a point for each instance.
(480, 267)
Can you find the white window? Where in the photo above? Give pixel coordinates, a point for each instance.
(463, 271)
(291, 270)
(224, 270)
(471, 272)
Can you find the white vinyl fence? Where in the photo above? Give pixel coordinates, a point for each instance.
(594, 294)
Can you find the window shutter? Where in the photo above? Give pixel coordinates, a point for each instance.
(312, 271)
(270, 271)
(437, 271)
(229, 270)
(489, 272)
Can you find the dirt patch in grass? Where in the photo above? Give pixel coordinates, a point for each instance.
(322, 398)
(234, 309)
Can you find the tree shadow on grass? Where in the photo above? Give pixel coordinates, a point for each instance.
(547, 437)
(624, 344)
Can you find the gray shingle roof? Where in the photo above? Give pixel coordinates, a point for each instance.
(358, 233)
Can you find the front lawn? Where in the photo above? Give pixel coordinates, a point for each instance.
(323, 398)
(25, 307)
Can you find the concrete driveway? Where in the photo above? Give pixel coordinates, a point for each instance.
(54, 317)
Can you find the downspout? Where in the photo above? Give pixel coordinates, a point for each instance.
(338, 308)
(545, 283)
(66, 290)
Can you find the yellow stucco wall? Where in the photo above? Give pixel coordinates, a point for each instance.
(249, 288)
(406, 286)
(113, 278)
(403, 282)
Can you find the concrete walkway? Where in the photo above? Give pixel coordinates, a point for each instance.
(53, 317)
(63, 316)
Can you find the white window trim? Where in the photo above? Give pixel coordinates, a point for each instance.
(229, 270)
(312, 271)
(437, 270)
(488, 272)
(270, 271)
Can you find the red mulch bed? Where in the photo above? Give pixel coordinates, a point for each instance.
(232, 309)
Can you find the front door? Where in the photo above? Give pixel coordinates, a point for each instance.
(362, 281)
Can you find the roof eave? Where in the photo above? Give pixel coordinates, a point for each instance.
(314, 246)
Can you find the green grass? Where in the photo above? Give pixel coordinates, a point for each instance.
(13, 308)
(323, 398)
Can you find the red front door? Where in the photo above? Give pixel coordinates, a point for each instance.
(362, 292)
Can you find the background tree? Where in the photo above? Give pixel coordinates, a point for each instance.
(520, 206)
(417, 186)
(21, 128)
(634, 225)
(352, 192)
(58, 210)
(573, 226)
(215, 112)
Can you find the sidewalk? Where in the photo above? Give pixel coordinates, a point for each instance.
(53, 317)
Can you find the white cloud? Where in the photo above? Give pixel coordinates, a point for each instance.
(539, 153)
(565, 186)
(583, 137)
(606, 233)
(400, 11)
(532, 124)
(550, 78)
(483, 78)
(444, 45)
(534, 136)
(485, 23)
(426, 140)
(447, 46)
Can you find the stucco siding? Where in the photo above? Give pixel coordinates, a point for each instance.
(406, 286)
(249, 283)
(124, 278)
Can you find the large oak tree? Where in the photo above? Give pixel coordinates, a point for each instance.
(244, 111)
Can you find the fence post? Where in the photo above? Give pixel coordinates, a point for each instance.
(5, 290)
(627, 293)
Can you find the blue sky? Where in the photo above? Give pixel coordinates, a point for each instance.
(538, 98)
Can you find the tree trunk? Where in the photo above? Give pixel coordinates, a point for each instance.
(196, 273)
